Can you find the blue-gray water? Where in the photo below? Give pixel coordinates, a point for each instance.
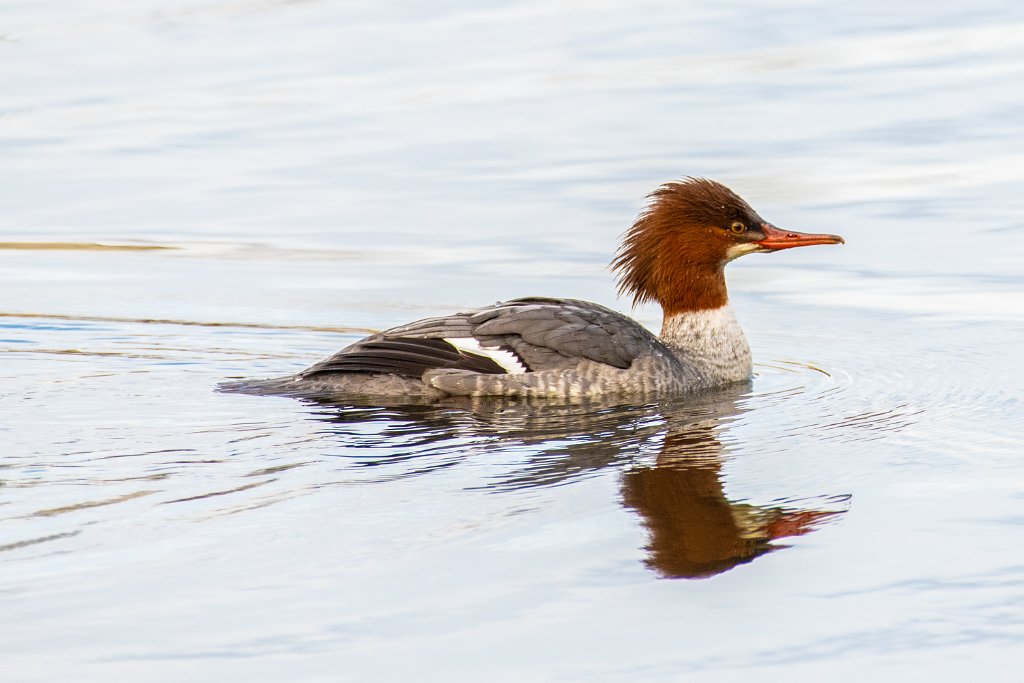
(318, 169)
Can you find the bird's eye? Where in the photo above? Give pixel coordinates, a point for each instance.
(738, 228)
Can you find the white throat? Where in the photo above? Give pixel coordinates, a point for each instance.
(712, 340)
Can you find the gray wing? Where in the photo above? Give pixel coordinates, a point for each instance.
(540, 333)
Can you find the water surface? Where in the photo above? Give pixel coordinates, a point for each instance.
(201, 191)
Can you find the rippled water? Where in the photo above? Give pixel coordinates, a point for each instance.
(200, 191)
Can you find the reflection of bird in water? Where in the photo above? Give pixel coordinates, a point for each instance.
(695, 530)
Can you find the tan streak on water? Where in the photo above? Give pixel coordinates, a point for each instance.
(90, 504)
(82, 246)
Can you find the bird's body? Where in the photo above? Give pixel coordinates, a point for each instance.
(539, 347)
(674, 254)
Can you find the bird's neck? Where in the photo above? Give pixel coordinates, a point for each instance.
(690, 288)
(710, 339)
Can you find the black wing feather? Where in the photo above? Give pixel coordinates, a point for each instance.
(405, 356)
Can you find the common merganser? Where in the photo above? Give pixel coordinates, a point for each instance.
(674, 254)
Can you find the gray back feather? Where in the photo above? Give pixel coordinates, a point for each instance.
(545, 333)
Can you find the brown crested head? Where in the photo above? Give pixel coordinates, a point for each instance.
(676, 250)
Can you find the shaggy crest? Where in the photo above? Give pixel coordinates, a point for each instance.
(676, 244)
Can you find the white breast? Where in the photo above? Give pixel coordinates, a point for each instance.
(711, 339)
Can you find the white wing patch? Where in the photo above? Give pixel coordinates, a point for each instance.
(506, 359)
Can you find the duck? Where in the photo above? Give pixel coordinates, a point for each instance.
(674, 254)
